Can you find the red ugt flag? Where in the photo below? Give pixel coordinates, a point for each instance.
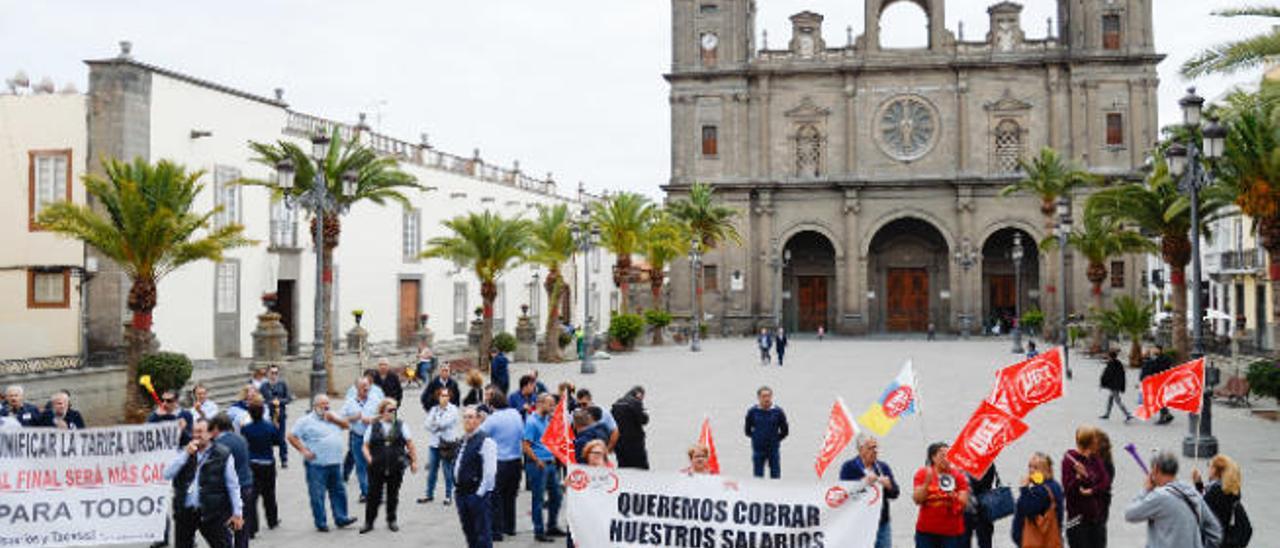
(704, 438)
(840, 431)
(559, 436)
(1026, 385)
(988, 432)
(1180, 388)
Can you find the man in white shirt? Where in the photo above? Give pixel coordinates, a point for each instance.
(476, 471)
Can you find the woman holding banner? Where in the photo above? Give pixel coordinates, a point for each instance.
(942, 493)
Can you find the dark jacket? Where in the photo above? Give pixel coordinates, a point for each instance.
(1033, 501)
(185, 437)
(597, 431)
(388, 449)
(631, 417)
(1113, 377)
(1092, 507)
(214, 500)
(28, 415)
(428, 397)
(780, 343)
(1152, 366)
(73, 418)
(470, 465)
(277, 391)
(262, 437)
(239, 448)
(475, 396)
(854, 470)
(390, 386)
(1221, 503)
(499, 372)
(766, 427)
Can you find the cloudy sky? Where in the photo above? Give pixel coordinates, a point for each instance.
(568, 86)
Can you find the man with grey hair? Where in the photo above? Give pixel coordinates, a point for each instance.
(1176, 515)
(868, 467)
(360, 410)
(14, 407)
(59, 414)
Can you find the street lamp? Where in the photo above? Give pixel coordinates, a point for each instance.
(586, 234)
(1187, 164)
(1016, 255)
(1064, 231)
(695, 258)
(317, 201)
(966, 256)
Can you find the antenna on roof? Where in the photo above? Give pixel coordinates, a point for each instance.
(279, 95)
(126, 49)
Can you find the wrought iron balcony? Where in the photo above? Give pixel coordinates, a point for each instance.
(1247, 261)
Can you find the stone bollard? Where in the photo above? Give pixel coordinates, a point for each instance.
(357, 338)
(526, 340)
(269, 339)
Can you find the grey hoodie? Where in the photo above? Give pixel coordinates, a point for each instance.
(1170, 523)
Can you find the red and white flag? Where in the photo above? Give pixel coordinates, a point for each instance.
(559, 434)
(1179, 388)
(840, 431)
(987, 433)
(705, 438)
(1026, 385)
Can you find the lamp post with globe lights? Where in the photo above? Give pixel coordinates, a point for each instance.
(586, 234)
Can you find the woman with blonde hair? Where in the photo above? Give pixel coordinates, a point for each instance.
(1222, 495)
(1040, 505)
(699, 458)
(475, 396)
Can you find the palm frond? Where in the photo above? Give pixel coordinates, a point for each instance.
(1234, 56)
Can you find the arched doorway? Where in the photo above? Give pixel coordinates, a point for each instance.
(809, 282)
(907, 272)
(999, 286)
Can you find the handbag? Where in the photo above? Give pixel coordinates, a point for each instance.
(996, 504)
(448, 449)
(1043, 531)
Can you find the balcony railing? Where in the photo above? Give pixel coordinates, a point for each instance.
(1248, 260)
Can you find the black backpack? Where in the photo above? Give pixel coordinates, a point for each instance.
(1239, 531)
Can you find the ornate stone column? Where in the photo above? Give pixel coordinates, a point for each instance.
(852, 267)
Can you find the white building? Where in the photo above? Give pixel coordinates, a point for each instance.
(42, 158)
(209, 310)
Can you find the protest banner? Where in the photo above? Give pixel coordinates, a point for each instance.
(623, 507)
(1029, 384)
(987, 433)
(85, 487)
(1181, 387)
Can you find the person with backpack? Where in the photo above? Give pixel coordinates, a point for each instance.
(1176, 515)
(1037, 519)
(388, 448)
(1223, 497)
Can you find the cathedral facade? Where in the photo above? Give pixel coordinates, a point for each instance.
(867, 179)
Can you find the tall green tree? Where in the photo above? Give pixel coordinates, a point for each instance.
(490, 245)
(550, 245)
(1235, 55)
(148, 226)
(1158, 208)
(1130, 318)
(379, 180)
(665, 240)
(1049, 176)
(1099, 239)
(710, 224)
(622, 219)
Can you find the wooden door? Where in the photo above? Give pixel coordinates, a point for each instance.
(812, 304)
(409, 310)
(907, 299)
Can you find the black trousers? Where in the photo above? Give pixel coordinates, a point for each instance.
(1087, 535)
(188, 521)
(264, 489)
(503, 500)
(241, 538)
(381, 478)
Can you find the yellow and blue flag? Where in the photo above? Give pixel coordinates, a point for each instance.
(897, 401)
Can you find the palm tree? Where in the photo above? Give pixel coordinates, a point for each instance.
(378, 180)
(665, 240)
(149, 228)
(1157, 208)
(622, 219)
(709, 223)
(1047, 177)
(1101, 239)
(551, 244)
(489, 245)
(1130, 318)
(1229, 57)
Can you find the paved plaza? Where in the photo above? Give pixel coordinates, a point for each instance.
(721, 382)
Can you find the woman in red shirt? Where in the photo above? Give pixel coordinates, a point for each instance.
(941, 493)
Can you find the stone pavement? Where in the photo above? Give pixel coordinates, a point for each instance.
(721, 382)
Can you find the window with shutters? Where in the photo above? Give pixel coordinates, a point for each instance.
(48, 181)
(49, 288)
(226, 195)
(500, 308)
(284, 226)
(1111, 31)
(1115, 129)
(228, 288)
(460, 315)
(710, 278)
(710, 141)
(808, 151)
(411, 235)
(1008, 147)
(1117, 274)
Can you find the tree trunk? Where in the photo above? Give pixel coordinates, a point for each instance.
(1178, 283)
(621, 278)
(332, 232)
(655, 286)
(1049, 296)
(488, 293)
(1135, 352)
(551, 342)
(699, 312)
(142, 301)
(1097, 274)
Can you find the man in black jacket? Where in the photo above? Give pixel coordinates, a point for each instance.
(59, 414)
(631, 417)
(206, 492)
(26, 414)
(389, 381)
(275, 392)
(222, 433)
(441, 380)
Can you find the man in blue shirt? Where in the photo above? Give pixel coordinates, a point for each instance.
(506, 429)
(206, 492)
(360, 410)
(766, 425)
(262, 436)
(499, 369)
(540, 467)
(320, 437)
(868, 467)
(224, 434)
(525, 398)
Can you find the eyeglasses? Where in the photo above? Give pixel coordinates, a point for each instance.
(169, 400)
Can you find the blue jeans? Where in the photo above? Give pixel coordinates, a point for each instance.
(473, 512)
(434, 464)
(322, 480)
(930, 540)
(758, 458)
(884, 536)
(356, 462)
(545, 483)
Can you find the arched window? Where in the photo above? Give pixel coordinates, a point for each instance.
(808, 151)
(1008, 146)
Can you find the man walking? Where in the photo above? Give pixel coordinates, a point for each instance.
(275, 392)
(766, 425)
(1176, 515)
(540, 467)
(206, 492)
(780, 343)
(225, 434)
(359, 410)
(476, 474)
(506, 429)
(764, 342)
(319, 437)
(631, 417)
(868, 467)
